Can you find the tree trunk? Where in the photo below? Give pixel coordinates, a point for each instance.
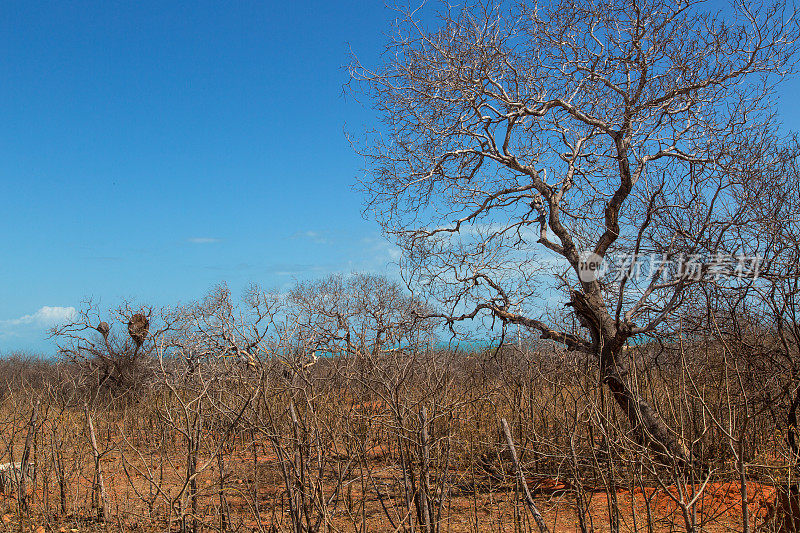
(523, 482)
(99, 486)
(647, 424)
(609, 343)
(22, 487)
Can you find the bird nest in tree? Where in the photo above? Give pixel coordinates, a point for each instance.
(138, 328)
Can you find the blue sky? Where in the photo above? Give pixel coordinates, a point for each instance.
(150, 150)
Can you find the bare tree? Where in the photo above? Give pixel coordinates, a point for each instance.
(361, 314)
(760, 325)
(111, 361)
(521, 140)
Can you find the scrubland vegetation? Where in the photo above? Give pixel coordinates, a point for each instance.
(517, 149)
(218, 420)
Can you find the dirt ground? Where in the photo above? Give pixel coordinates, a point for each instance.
(499, 509)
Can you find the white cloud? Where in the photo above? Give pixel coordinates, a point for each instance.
(45, 316)
(391, 250)
(202, 240)
(380, 253)
(314, 236)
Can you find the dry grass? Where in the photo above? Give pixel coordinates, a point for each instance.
(346, 459)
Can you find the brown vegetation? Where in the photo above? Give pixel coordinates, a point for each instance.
(517, 142)
(379, 439)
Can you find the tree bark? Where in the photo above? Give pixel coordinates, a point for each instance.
(100, 487)
(526, 491)
(609, 344)
(23, 467)
(645, 421)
